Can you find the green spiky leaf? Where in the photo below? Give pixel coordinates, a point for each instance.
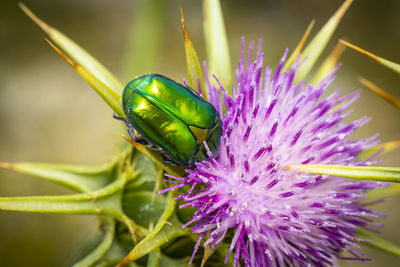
(110, 96)
(381, 149)
(385, 174)
(105, 83)
(168, 227)
(380, 92)
(77, 53)
(329, 64)
(218, 55)
(318, 44)
(387, 63)
(154, 240)
(105, 201)
(78, 178)
(392, 190)
(192, 62)
(378, 242)
(289, 62)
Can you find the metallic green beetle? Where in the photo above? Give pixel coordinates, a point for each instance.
(171, 118)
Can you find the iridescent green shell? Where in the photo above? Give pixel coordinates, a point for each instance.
(172, 118)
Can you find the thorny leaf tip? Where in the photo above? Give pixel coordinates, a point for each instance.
(381, 93)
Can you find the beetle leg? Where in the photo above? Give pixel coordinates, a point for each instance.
(168, 161)
(131, 130)
(154, 148)
(140, 140)
(118, 118)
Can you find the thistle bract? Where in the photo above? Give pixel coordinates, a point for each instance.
(274, 216)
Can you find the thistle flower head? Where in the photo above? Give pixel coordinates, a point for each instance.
(273, 216)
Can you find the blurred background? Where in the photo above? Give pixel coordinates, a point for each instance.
(49, 114)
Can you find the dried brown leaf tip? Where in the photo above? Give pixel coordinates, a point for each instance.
(380, 92)
(184, 29)
(300, 45)
(330, 63)
(63, 55)
(43, 25)
(359, 49)
(6, 165)
(389, 64)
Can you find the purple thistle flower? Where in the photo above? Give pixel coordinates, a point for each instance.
(274, 216)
